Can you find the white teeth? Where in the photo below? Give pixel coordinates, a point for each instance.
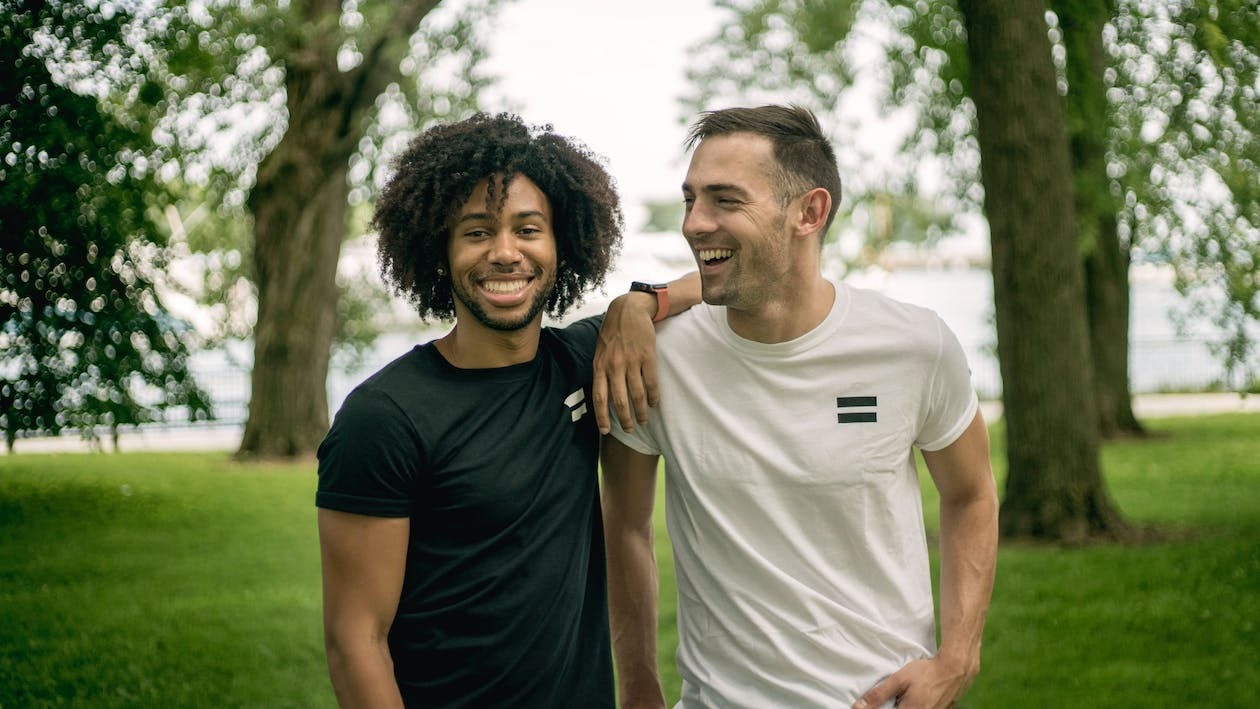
(710, 254)
(503, 286)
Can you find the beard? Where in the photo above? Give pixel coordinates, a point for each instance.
(467, 296)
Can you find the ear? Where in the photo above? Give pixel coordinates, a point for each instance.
(814, 207)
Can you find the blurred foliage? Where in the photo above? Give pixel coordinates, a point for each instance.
(85, 340)
(1183, 119)
(664, 215)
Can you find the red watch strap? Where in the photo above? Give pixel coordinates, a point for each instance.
(662, 303)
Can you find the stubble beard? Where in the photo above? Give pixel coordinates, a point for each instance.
(503, 325)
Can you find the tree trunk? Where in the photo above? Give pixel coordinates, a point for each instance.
(1107, 296)
(299, 204)
(1106, 259)
(1054, 487)
(299, 224)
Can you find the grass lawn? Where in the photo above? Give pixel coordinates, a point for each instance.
(188, 580)
(158, 580)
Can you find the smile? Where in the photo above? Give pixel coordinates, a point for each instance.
(711, 255)
(505, 286)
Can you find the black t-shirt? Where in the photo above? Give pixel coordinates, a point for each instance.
(504, 594)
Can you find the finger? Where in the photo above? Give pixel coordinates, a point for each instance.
(599, 400)
(649, 380)
(638, 396)
(879, 694)
(621, 399)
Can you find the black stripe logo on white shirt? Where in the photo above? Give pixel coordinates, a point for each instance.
(576, 403)
(855, 402)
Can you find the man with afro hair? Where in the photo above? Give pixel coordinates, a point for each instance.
(459, 521)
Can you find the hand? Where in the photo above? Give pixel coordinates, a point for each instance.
(625, 362)
(935, 683)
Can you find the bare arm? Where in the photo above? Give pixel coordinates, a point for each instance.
(969, 513)
(629, 494)
(362, 560)
(625, 358)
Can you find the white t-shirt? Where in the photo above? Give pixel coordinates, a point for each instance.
(792, 498)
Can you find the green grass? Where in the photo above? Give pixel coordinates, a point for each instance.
(188, 580)
(158, 580)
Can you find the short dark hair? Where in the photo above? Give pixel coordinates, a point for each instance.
(438, 173)
(802, 153)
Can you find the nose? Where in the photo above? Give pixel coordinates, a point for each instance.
(697, 220)
(504, 249)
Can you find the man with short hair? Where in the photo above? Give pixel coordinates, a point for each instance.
(790, 408)
(459, 523)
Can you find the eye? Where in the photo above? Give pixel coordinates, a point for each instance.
(476, 233)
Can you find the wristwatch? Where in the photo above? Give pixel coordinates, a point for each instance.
(661, 290)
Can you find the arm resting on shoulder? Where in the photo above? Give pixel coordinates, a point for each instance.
(362, 559)
(625, 357)
(628, 497)
(969, 533)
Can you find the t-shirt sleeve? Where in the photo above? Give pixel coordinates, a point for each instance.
(641, 439)
(581, 336)
(369, 461)
(951, 399)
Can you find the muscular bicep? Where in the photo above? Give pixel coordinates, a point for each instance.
(363, 560)
(629, 483)
(962, 470)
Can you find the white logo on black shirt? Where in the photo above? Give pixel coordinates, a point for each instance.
(576, 403)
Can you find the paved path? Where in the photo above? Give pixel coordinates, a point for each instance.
(227, 438)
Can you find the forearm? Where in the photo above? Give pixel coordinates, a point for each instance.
(632, 607)
(684, 292)
(362, 673)
(968, 562)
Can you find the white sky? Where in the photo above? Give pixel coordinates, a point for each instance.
(608, 74)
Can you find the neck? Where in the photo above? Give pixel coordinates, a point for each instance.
(478, 347)
(800, 307)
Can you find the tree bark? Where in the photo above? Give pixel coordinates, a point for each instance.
(1107, 297)
(1106, 259)
(299, 204)
(1054, 487)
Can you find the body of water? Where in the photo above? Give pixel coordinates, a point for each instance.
(1161, 357)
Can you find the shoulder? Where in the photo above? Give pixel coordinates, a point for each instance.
(694, 324)
(869, 304)
(578, 337)
(377, 397)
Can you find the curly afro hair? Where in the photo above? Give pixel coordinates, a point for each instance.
(437, 174)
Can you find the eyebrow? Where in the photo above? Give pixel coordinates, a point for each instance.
(718, 187)
(488, 217)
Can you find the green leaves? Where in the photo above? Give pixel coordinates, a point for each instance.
(86, 342)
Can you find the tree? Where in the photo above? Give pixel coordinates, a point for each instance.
(85, 338)
(1055, 487)
(1106, 256)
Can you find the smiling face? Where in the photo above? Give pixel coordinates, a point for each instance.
(502, 262)
(735, 223)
